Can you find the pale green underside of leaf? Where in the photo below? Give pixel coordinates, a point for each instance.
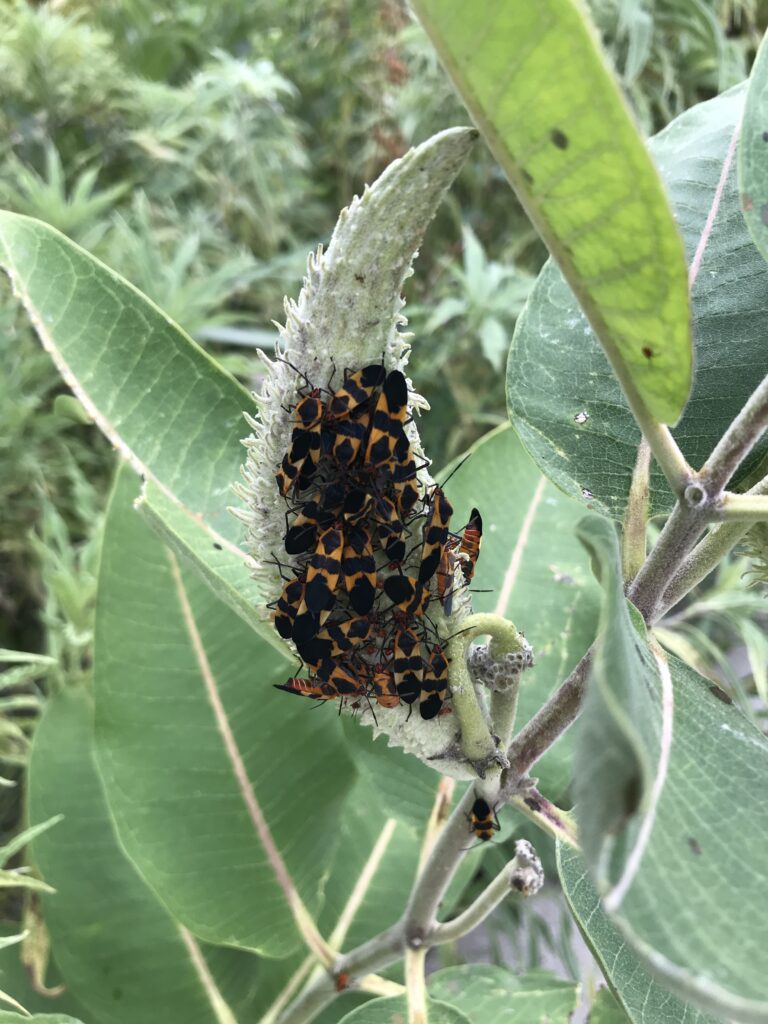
(536, 571)
(618, 737)
(486, 993)
(753, 152)
(160, 399)
(695, 911)
(641, 996)
(395, 1011)
(534, 80)
(166, 652)
(564, 400)
(119, 951)
(38, 1018)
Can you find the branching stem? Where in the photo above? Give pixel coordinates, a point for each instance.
(738, 440)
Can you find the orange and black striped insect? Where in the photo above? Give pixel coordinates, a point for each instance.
(407, 665)
(300, 461)
(390, 528)
(407, 595)
(482, 820)
(342, 679)
(356, 391)
(323, 571)
(335, 639)
(434, 687)
(384, 690)
(358, 568)
(287, 607)
(349, 436)
(313, 515)
(388, 419)
(307, 688)
(445, 575)
(470, 544)
(435, 534)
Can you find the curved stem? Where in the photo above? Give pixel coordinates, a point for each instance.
(447, 854)
(504, 712)
(522, 875)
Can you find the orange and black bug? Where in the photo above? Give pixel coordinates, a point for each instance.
(384, 690)
(482, 820)
(388, 419)
(287, 607)
(359, 570)
(357, 503)
(435, 534)
(323, 571)
(313, 515)
(308, 688)
(335, 639)
(390, 528)
(407, 665)
(407, 594)
(434, 687)
(470, 544)
(301, 459)
(345, 682)
(445, 575)
(349, 436)
(356, 391)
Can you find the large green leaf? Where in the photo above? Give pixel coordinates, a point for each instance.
(753, 152)
(161, 400)
(485, 993)
(625, 729)
(395, 1011)
(38, 1018)
(194, 743)
(118, 949)
(534, 80)
(565, 402)
(537, 572)
(644, 999)
(703, 846)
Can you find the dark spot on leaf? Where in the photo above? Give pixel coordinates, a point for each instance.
(528, 176)
(764, 213)
(647, 352)
(765, 136)
(560, 139)
(718, 692)
(533, 803)
(632, 796)
(117, 994)
(217, 546)
(746, 202)
(694, 845)
(360, 278)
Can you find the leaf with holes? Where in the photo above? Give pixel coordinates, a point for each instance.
(114, 943)
(565, 402)
(753, 152)
(485, 993)
(532, 570)
(202, 759)
(538, 87)
(160, 399)
(642, 999)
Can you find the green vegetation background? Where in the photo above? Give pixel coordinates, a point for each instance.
(202, 150)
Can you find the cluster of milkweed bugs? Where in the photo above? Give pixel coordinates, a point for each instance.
(370, 551)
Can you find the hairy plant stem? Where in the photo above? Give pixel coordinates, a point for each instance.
(745, 508)
(504, 712)
(415, 985)
(633, 547)
(546, 726)
(738, 440)
(549, 817)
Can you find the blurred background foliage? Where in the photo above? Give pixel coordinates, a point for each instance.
(202, 150)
